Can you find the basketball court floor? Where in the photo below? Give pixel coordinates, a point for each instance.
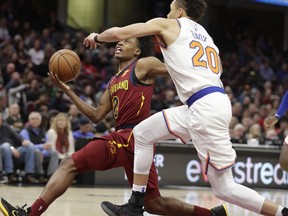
(79, 201)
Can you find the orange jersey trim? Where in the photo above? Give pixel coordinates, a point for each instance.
(169, 128)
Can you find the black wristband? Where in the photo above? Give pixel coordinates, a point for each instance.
(96, 39)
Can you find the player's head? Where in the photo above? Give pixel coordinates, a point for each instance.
(134, 48)
(146, 45)
(194, 9)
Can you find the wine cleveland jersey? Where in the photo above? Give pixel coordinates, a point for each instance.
(130, 98)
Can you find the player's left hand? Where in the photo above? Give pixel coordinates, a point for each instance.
(89, 41)
(270, 121)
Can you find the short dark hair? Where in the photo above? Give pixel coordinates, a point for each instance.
(195, 9)
(146, 45)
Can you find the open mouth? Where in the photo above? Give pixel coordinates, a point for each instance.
(118, 50)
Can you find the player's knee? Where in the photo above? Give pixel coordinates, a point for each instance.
(67, 165)
(284, 164)
(218, 193)
(221, 191)
(137, 132)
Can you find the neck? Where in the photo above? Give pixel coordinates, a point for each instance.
(61, 130)
(124, 64)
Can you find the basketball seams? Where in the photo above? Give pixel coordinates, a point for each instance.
(59, 69)
(71, 67)
(52, 59)
(66, 64)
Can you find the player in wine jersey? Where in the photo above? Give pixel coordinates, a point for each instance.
(128, 96)
(272, 120)
(193, 62)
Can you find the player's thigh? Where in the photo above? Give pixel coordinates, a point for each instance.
(208, 123)
(95, 156)
(169, 124)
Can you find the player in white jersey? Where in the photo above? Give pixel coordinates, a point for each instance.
(272, 120)
(194, 65)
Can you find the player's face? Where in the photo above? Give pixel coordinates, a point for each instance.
(127, 49)
(174, 11)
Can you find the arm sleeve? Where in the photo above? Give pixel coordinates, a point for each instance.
(283, 107)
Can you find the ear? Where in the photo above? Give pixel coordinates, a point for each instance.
(137, 52)
(180, 13)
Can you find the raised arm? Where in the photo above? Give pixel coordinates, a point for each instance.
(157, 26)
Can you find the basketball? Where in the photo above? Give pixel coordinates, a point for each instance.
(66, 64)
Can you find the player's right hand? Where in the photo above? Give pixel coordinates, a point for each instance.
(270, 121)
(55, 79)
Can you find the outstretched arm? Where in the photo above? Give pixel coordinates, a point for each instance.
(153, 27)
(94, 114)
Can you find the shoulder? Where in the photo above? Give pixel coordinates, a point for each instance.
(145, 65)
(6, 127)
(144, 62)
(51, 131)
(161, 21)
(24, 131)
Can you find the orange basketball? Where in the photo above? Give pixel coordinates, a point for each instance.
(66, 64)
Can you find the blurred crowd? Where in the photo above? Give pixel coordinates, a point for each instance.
(255, 76)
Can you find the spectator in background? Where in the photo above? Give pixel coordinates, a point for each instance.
(233, 122)
(14, 118)
(237, 109)
(17, 94)
(37, 55)
(84, 134)
(34, 91)
(10, 68)
(169, 100)
(14, 81)
(60, 136)
(266, 70)
(88, 69)
(88, 95)
(59, 102)
(3, 105)
(254, 135)
(271, 137)
(13, 145)
(105, 126)
(85, 130)
(74, 116)
(4, 33)
(238, 134)
(43, 152)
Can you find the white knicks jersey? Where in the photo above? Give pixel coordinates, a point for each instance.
(192, 60)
